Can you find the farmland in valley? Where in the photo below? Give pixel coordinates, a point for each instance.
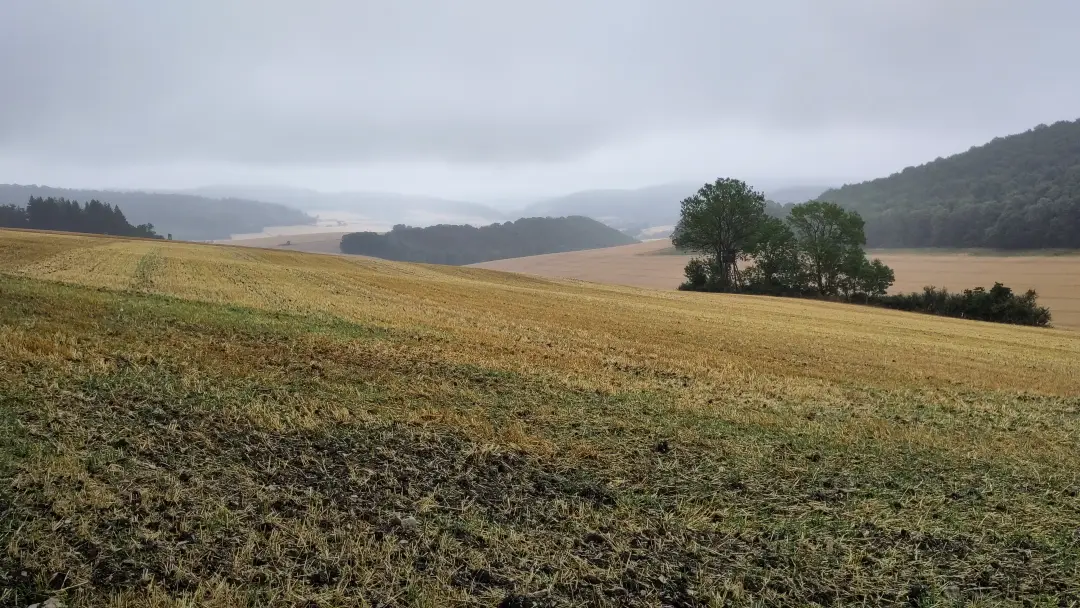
(313, 242)
(649, 264)
(185, 424)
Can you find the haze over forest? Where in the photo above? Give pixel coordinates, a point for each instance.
(471, 113)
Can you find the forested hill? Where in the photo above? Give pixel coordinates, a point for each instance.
(1016, 192)
(187, 217)
(452, 244)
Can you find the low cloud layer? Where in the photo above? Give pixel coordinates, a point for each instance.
(486, 97)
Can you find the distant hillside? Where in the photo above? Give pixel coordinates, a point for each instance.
(793, 195)
(451, 244)
(1016, 192)
(184, 216)
(636, 210)
(644, 207)
(382, 206)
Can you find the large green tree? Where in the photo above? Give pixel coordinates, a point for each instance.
(723, 221)
(829, 237)
(816, 250)
(776, 266)
(870, 278)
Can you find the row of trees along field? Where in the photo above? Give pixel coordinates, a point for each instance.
(815, 251)
(93, 217)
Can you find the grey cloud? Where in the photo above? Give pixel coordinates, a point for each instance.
(488, 81)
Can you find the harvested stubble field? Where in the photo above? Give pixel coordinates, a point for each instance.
(655, 264)
(198, 425)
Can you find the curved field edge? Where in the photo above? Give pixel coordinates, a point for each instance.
(461, 437)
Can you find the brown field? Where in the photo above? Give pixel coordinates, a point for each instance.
(1055, 277)
(186, 425)
(315, 242)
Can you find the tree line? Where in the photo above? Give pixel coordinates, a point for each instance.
(94, 217)
(998, 304)
(464, 244)
(1015, 192)
(815, 249)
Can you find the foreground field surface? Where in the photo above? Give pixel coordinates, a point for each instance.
(1055, 277)
(196, 425)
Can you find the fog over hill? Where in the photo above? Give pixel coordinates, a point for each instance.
(391, 207)
(220, 212)
(354, 101)
(634, 210)
(631, 210)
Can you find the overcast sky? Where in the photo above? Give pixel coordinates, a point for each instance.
(492, 98)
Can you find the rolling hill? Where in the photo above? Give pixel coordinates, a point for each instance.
(1015, 192)
(186, 424)
(184, 216)
(464, 244)
(622, 209)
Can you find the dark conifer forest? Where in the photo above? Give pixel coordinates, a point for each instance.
(93, 217)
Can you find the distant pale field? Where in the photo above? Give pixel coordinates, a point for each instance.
(337, 222)
(315, 242)
(327, 225)
(1055, 278)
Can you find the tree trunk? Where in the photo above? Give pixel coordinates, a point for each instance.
(729, 271)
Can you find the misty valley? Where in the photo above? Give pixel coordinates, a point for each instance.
(489, 304)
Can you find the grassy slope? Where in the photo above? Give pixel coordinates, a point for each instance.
(185, 424)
